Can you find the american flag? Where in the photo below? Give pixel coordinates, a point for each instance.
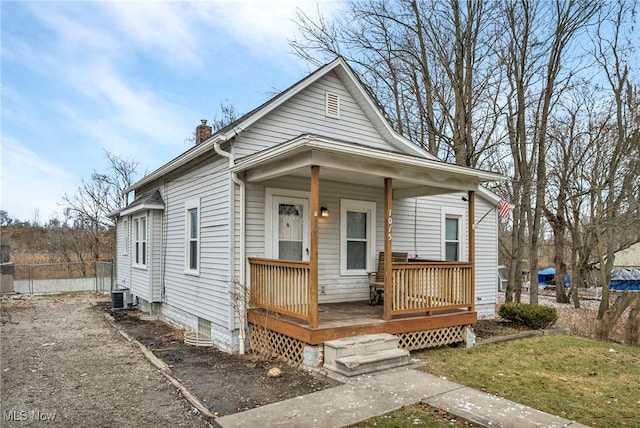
(504, 210)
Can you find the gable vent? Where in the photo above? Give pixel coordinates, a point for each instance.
(332, 105)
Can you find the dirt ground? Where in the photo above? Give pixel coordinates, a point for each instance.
(62, 360)
(64, 363)
(224, 383)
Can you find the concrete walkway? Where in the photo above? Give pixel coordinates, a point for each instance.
(367, 396)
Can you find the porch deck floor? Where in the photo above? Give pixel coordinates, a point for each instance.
(354, 313)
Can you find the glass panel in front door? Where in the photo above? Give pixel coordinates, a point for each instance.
(290, 231)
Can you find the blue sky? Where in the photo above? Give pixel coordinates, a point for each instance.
(132, 78)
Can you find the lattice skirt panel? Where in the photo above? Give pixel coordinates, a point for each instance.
(431, 338)
(271, 344)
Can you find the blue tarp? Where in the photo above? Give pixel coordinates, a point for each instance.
(625, 279)
(548, 277)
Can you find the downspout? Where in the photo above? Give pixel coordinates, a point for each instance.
(241, 185)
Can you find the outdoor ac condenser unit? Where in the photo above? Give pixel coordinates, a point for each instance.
(120, 299)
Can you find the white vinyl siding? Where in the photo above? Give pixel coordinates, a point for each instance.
(155, 256)
(486, 257)
(123, 262)
(206, 295)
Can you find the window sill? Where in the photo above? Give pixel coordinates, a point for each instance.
(192, 273)
(141, 267)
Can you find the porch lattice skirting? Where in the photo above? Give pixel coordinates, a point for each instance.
(431, 338)
(271, 344)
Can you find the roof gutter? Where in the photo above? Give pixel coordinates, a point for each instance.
(242, 280)
(181, 160)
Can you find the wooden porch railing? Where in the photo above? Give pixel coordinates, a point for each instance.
(280, 286)
(429, 286)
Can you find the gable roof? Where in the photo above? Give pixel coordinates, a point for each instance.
(148, 201)
(351, 82)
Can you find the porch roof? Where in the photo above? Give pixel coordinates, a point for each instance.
(347, 162)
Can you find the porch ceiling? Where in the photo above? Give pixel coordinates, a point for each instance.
(352, 163)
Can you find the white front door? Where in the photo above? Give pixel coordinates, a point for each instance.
(290, 219)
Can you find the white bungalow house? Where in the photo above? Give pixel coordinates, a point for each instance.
(264, 233)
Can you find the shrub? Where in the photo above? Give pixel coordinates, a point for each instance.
(532, 316)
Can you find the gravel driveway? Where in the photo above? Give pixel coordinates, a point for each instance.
(63, 364)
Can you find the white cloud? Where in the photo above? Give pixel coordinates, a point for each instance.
(30, 183)
(169, 29)
(107, 101)
(122, 76)
(263, 27)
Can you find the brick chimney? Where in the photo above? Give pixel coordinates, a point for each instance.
(203, 132)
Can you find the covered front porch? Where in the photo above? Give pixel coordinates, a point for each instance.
(426, 302)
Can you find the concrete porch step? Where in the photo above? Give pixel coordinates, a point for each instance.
(364, 344)
(353, 356)
(354, 365)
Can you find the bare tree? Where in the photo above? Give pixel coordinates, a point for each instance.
(89, 208)
(489, 84)
(427, 64)
(226, 115)
(620, 172)
(536, 67)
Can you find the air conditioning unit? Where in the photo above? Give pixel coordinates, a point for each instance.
(120, 299)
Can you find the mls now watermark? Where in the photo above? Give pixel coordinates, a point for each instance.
(28, 415)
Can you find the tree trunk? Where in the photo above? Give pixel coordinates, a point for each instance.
(632, 330)
(610, 318)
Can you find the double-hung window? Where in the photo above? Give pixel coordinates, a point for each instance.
(192, 244)
(140, 241)
(452, 234)
(357, 236)
(452, 238)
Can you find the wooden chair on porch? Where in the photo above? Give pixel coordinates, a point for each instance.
(376, 279)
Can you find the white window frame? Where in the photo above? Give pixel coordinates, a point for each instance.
(126, 235)
(461, 216)
(140, 253)
(358, 206)
(190, 206)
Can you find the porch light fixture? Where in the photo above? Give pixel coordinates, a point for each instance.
(324, 212)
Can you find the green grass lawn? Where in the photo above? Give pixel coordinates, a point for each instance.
(594, 383)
